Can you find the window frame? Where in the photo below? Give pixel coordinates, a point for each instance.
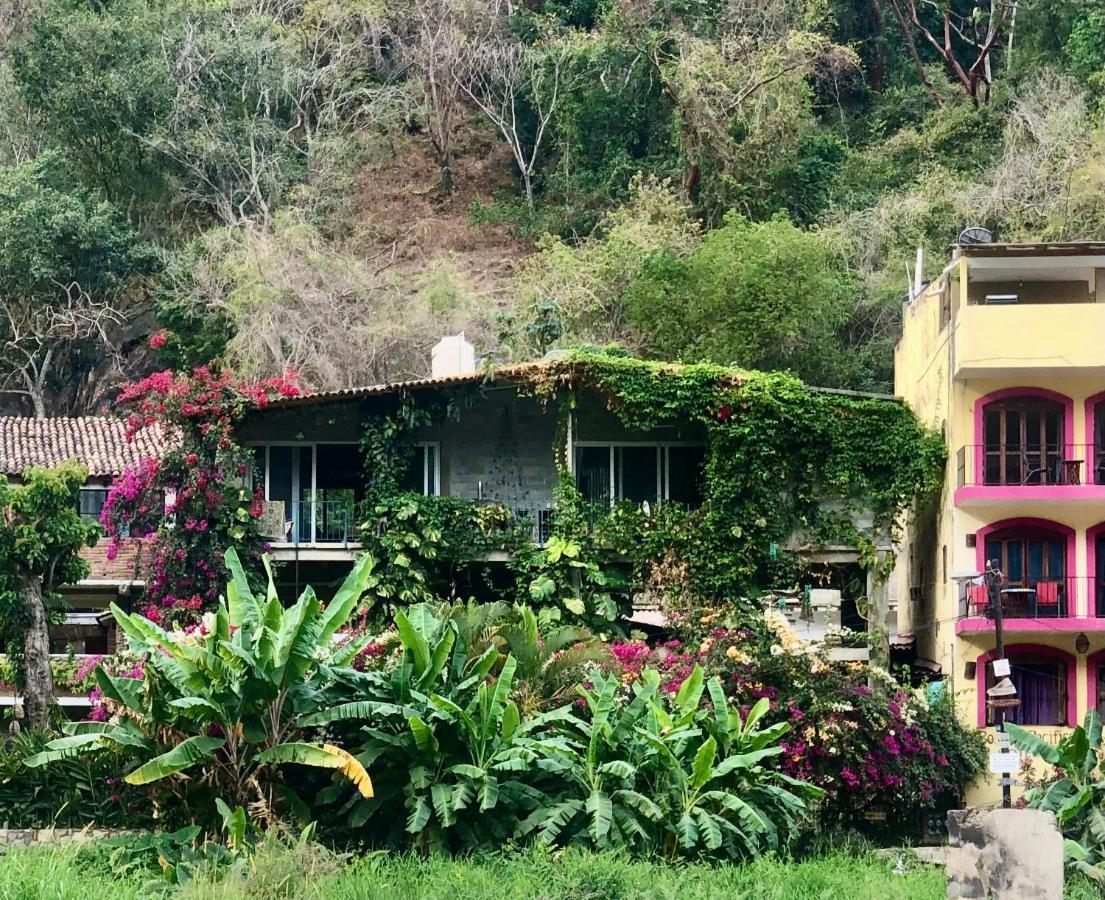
(663, 465)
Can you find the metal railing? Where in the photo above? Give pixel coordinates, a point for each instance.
(1003, 465)
(319, 522)
(1036, 598)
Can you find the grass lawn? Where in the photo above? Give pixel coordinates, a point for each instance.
(312, 873)
(317, 875)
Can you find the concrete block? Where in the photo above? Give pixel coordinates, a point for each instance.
(1004, 854)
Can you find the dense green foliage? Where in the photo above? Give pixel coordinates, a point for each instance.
(222, 700)
(771, 167)
(283, 870)
(40, 546)
(1074, 791)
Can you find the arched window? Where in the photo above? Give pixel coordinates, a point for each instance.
(1095, 670)
(1095, 551)
(1032, 557)
(1023, 440)
(1044, 679)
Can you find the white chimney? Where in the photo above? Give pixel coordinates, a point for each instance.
(452, 355)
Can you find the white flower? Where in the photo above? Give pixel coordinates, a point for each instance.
(207, 621)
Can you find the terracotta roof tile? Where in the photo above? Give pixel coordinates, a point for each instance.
(98, 442)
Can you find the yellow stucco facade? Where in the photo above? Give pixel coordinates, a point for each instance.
(1005, 354)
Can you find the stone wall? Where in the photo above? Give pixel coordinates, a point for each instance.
(27, 837)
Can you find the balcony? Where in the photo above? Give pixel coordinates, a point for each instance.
(1073, 603)
(1029, 339)
(310, 529)
(1010, 474)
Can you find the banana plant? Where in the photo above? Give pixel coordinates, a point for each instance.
(592, 758)
(444, 730)
(218, 710)
(707, 771)
(1077, 795)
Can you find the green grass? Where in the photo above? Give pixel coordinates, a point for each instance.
(314, 874)
(282, 871)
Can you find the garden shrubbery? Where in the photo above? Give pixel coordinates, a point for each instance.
(467, 726)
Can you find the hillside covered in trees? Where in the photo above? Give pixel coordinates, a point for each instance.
(331, 185)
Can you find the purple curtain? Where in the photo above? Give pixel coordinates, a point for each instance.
(1040, 688)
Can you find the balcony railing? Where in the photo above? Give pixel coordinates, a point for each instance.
(318, 522)
(1004, 465)
(1036, 598)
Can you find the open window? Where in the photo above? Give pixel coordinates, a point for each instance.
(1033, 563)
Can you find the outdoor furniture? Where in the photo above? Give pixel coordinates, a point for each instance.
(1047, 598)
(1072, 471)
(977, 599)
(1021, 599)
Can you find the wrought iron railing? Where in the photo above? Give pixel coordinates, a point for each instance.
(1003, 465)
(319, 522)
(1035, 598)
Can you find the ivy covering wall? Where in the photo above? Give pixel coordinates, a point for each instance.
(786, 466)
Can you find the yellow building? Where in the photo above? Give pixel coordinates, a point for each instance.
(1005, 354)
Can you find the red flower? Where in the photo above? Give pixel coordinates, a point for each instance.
(158, 340)
(724, 413)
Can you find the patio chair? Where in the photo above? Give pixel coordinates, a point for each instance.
(1047, 598)
(977, 599)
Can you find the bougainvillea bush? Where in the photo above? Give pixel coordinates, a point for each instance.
(195, 500)
(884, 752)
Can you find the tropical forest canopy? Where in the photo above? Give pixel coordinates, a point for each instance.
(331, 185)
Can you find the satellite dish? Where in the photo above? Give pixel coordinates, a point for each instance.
(974, 235)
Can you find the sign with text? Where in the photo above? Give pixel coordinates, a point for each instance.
(1005, 763)
(1001, 668)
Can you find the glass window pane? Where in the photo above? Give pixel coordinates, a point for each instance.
(280, 475)
(638, 476)
(414, 478)
(1014, 562)
(1056, 559)
(685, 475)
(431, 470)
(1035, 560)
(593, 473)
(993, 427)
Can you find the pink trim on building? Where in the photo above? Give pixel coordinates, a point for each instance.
(1092, 534)
(982, 625)
(1092, 662)
(1027, 523)
(1021, 493)
(1038, 650)
(1004, 393)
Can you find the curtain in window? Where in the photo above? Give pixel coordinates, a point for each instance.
(1041, 689)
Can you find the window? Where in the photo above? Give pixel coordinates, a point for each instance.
(91, 503)
(423, 474)
(1023, 441)
(318, 484)
(1041, 683)
(1099, 693)
(640, 473)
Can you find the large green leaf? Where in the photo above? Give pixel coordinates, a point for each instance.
(352, 589)
(702, 769)
(65, 748)
(324, 756)
(241, 603)
(124, 691)
(601, 813)
(415, 643)
(1030, 743)
(183, 756)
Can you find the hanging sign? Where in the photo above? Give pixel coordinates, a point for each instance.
(1005, 763)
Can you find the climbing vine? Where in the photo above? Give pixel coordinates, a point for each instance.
(786, 467)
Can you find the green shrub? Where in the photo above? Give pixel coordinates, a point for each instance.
(216, 711)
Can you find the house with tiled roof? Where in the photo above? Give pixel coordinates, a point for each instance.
(101, 444)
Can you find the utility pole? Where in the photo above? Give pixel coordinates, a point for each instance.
(993, 589)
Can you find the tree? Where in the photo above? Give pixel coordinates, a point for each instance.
(966, 43)
(41, 537)
(66, 257)
(97, 77)
(519, 87)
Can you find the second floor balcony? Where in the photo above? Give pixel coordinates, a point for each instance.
(1016, 472)
(1047, 604)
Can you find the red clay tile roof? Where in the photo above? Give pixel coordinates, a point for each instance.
(98, 442)
(127, 565)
